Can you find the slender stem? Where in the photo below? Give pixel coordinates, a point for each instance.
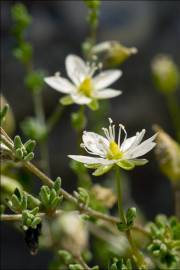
(18, 217)
(54, 118)
(139, 260)
(176, 190)
(174, 110)
(38, 107)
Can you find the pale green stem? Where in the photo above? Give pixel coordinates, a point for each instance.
(138, 257)
(38, 107)
(174, 109)
(54, 118)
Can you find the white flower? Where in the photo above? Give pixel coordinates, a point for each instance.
(83, 88)
(107, 152)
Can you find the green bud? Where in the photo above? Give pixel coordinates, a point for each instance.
(16, 205)
(165, 73)
(52, 194)
(66, 100)
(35, 80)
(55, 202)
(34, 211)
(44, 195)
(112, 53)
(96, 267)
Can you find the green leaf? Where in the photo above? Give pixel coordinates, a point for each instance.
(122, 227)
(24, 52)
(139, 162)
(35, 222)
(3, 112)
(102, 170)
(30, 145)
(57, 184)
(66, 100)
(17, 142)
(126, 164)
(130, 216)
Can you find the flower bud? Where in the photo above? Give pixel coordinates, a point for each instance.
(165, 73)
(168, 155)
(113, 53)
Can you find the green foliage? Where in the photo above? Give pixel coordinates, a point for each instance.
(82, 195)
(50, 197)
(93, 16)
(121, 264)
(23, 52)
(3, 113)
(165, 244)
(32, 128)
(21, 18)
(18, 201)
(130, 217)
(30, 218)
(76, 267)
(23, 152)
(94, 105)
(35, 80)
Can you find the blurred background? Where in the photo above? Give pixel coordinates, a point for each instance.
(57, 29)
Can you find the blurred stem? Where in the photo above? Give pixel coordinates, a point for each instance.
(176, 190)
(54, 118)
(174, 110)
(138, 257)
(39, 111)
(81, 261)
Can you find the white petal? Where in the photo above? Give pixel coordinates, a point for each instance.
(80, 99)
(127, 143)
(96, 144)
(106, 78)
(107, 93)
(143, 148)
(60, 84)
(76, 68)
(138, 138)
(91, 160)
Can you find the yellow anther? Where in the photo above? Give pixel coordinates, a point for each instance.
(86, 87)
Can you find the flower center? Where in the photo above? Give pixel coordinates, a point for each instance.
(114, 152)
(86, 87)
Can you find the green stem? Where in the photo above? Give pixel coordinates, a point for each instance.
(138, 258)
(38, 107)
(54, 118)
(174, 110)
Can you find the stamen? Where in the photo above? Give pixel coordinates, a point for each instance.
(125, 137)
(119, 136)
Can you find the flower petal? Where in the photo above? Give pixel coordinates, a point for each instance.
(96, 144)
(91, 160)
(76, 68)
(107, 93)
(80, 99)
(138, 138)
(106, 78)
(143, 148)
(60, 84)
(127, 143)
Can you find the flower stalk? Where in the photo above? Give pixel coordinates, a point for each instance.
(138, 257)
